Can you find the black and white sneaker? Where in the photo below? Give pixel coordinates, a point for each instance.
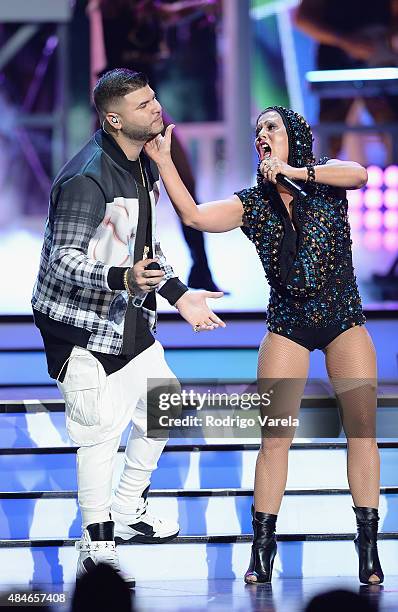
(97, 545)
(143, 527)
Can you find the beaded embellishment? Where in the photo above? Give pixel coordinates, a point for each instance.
(320, 288)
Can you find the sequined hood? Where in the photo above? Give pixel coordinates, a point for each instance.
(299, 135)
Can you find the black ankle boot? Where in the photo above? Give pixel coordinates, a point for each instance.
(263, 549)
(366, 544)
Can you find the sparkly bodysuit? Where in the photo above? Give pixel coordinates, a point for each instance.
(310, 271)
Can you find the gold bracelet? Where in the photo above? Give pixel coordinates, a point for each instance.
(126, 284)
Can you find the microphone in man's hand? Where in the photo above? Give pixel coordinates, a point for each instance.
(153, 266)
(290, 185)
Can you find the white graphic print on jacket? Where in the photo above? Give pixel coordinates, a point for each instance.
(113, 242)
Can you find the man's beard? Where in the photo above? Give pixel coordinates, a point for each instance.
(141, 134)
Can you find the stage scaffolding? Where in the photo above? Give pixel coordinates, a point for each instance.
(31, 16)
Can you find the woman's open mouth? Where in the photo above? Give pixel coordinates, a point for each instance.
(264, 150)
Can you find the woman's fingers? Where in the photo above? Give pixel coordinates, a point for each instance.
(270, 168)
(168, 132)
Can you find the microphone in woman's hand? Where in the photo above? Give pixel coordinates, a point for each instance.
(290, 185)
(153, 266)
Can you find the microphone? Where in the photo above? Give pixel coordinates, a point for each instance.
(290, 185)
(153, 266)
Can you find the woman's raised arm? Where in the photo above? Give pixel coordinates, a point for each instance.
(335, 172)
(216, 216)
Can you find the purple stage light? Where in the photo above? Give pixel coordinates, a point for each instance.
(391, 176)
(355, 198)
(372, 240)
(390, 240)
(375, 176)
(391, 219)
(391, 198)
(373, 219)
(355, 217)
(373, 198)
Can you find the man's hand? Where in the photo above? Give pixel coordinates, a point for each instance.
(143, 280)
(193, 307)
(271, 166)
(158, 148)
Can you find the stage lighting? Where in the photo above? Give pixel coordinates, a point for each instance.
(391, 219)
(355, 198)
(373, 240)
(373, 219)
(390, 241)
(355, 217)
(391, 198)
(391, 176)
(373, 198)
(375, 176)
(352, 74)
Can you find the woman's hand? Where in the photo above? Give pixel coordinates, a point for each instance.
(158, 148)
(271, 166)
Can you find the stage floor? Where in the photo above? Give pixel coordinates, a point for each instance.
(285, 594)
(289, 594)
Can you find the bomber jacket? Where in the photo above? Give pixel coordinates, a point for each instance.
(93, 232)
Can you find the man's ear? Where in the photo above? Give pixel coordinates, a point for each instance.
(112, 121)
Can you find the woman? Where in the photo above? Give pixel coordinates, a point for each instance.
(305, 248)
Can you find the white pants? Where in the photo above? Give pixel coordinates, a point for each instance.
(98, 408)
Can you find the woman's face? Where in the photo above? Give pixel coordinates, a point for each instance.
(271, 137)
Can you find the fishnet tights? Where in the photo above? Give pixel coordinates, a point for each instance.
(351, 366)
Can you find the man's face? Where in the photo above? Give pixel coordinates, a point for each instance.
(140, 115)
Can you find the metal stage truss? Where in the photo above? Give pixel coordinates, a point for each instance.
(31, 17)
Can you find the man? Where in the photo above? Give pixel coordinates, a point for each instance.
(135, 35)
(95, 305)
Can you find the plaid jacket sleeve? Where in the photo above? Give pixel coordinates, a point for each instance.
(171, 287)
(74, 217)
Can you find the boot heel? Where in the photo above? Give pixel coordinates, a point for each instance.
(263, 576)
(263, 549)
(366, 544)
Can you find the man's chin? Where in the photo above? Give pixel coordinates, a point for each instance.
(158, 130)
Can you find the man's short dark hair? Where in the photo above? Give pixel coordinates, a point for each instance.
(115, 84)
